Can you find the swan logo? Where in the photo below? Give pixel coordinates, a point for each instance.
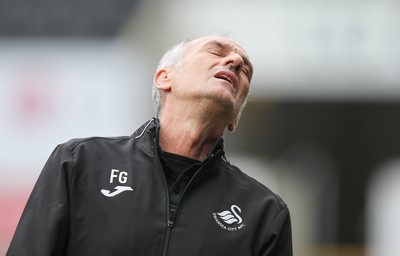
(229, 220)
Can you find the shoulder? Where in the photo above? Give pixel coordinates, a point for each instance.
(92, 145)
(116, 140)
(254, 186)
(74, 143)
(268, 209)
(98, 145)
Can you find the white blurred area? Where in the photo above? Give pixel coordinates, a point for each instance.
(301, 49)
(52, 90)
(384, 210)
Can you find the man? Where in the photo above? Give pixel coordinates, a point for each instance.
(167, 189)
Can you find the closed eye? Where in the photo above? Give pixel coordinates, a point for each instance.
(246, 73)
(216, 53)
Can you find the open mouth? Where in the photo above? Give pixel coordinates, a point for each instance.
(227, 76)
(224, 77)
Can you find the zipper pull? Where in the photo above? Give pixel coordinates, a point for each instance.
(171, 218)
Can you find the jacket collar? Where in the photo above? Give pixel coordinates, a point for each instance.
(148, 135)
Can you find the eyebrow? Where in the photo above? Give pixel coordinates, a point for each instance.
(232, 48)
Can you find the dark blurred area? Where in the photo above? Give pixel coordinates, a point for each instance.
(61, 18)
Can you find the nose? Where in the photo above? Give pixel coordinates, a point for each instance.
(235, 61)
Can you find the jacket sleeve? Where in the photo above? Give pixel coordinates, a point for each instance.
(43, 227)
(280, 243)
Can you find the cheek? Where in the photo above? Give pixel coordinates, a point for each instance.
(193, 73)
(184, 78)
(244, 90)
(242, 96)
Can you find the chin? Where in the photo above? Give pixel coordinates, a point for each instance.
(225, 104)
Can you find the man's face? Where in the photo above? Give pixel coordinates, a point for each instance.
(215, 69)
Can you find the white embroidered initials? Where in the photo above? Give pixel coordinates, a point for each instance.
(122, 178)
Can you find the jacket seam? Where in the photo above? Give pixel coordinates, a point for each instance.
(284, 210)
(72, 144)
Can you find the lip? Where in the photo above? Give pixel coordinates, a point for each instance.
(227, 76)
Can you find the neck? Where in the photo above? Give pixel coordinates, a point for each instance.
(192, 138)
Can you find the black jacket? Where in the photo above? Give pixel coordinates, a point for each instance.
(108, 196)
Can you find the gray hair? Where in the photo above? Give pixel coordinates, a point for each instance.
(172, 58)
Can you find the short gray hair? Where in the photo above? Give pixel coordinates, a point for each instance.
(172, 58)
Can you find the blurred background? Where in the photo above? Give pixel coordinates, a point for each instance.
(321, 129)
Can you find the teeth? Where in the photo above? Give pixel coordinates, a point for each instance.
(226, 78)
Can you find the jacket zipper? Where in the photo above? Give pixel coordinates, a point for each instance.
(170, 224)
(170, 220)
(171, 216)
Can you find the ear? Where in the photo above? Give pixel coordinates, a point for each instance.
(232, 126)
(162, 79)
